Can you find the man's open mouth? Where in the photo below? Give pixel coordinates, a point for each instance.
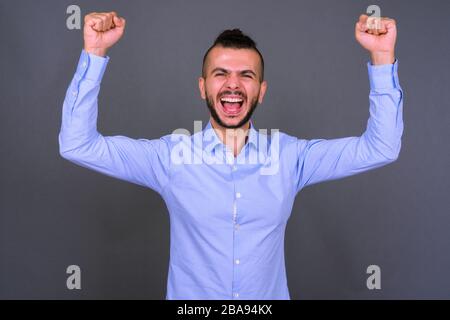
(231, 105)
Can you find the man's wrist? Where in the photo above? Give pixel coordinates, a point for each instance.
(379, 58)
(96, 51)
(91, 66)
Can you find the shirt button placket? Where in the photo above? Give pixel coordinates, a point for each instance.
(236, 252)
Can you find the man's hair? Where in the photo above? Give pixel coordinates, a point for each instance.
(234, 39)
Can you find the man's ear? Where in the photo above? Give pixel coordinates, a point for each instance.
(262, 91)
(201, 86)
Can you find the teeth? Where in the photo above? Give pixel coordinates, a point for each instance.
(231, 99)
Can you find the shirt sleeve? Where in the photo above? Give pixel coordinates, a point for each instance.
(321, 159)
(140, 161)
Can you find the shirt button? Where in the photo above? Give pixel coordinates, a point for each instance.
(238, 195)
(84, 64)
(234, 168)
(236, 227)
(237, 261)
(236, 294)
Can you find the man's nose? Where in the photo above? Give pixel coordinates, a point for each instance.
(232, 81)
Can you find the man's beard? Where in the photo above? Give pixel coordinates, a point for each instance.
(212, 110)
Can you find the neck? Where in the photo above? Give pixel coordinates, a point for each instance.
(234, 139)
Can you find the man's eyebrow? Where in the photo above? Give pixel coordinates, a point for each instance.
(219, 69)
(248, 71)
(227, 71)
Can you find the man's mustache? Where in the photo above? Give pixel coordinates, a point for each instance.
(234, 93)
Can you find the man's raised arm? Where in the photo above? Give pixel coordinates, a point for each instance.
(141, 161)
(320, 159)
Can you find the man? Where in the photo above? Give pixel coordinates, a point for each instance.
(228, 218)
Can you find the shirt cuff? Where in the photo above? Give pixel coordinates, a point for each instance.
(383, 76)
(91, 67)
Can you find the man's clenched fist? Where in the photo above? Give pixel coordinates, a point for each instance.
(380, 42)
(101, 31)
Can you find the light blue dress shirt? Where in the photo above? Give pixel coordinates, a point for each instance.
(228, 214)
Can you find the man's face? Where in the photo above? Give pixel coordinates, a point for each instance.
(232, 87)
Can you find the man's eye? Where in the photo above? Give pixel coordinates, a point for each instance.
(248, 76)
(219, 74)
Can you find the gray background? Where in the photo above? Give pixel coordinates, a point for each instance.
(54, 214)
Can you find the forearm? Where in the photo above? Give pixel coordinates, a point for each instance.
(79, 114)
(382, 138)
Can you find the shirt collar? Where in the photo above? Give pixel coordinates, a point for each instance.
(212, 140)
